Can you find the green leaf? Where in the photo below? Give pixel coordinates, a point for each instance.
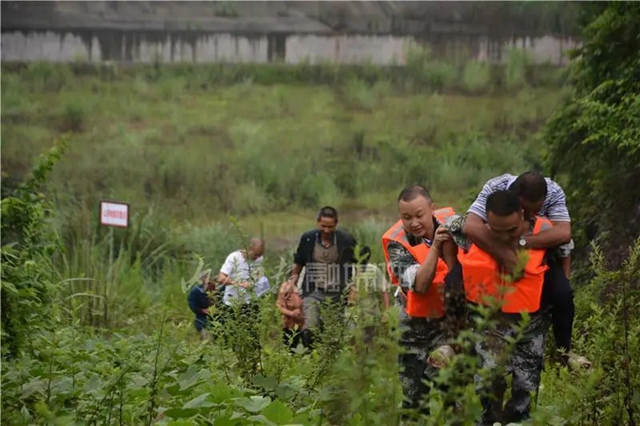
(33, 386)
(278, 412)
(199, 402)
(261, 419)
(268, 383)
(93, 384)
(255, 404)
(189, 377)
(226, 421)
(221, 392)
(180, 413)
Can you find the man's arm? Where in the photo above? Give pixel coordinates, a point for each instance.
(223, 279)
(411, 275)
(476, 230)
(426, 273)
(295, 273)
(558, 214)
(299, 260)
(557, 235)
(450, 254)
(402, 264)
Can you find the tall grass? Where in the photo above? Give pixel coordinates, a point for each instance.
(477, 76)
(203, 152)
(516, 68)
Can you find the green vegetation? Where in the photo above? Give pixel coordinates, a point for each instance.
(198, 149)
(95, 327)
(594, 140)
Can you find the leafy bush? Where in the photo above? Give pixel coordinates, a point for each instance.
(27, 246)
(594, 140)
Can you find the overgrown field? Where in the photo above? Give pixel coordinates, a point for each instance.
(95, 325)
(198, 150)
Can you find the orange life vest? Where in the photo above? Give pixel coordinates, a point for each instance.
(431, 303)
(483, 280)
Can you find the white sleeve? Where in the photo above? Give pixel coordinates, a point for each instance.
(230, 265)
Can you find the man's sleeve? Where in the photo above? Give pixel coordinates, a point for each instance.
(230, 265)
(557, 205)
(404, 266)
(300, 257)
(479, 205)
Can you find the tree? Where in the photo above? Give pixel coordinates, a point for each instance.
(594, 140)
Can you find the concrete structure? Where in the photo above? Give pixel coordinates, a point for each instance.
(342, 32)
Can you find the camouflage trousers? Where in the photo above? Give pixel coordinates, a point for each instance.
(420, 336)
(524, 363)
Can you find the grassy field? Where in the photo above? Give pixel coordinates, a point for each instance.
(270, 153)
(189, 157)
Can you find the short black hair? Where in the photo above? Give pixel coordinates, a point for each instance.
(364, 255)
(412, 192)
(329, 212)
(503, 203)
(531, 186)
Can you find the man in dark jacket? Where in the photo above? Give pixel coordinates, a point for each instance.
(327, 254)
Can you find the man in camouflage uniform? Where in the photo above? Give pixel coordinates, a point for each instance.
(523, 359)
(420, 336)
(524, 362)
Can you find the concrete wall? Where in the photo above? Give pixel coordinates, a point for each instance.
(202, 47)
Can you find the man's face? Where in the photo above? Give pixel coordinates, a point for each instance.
(256, 251)
(416, 215)
(506, 229)
(531, 208)
(327, 225)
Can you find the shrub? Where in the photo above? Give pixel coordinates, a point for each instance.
(27, 246)
(476, 76)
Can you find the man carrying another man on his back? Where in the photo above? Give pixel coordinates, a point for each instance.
(485, 282)
(542, 197)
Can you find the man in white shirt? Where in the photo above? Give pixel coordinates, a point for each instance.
(242, 274)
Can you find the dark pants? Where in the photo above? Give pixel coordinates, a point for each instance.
(557, 294)
(313, 320)
(419, 337)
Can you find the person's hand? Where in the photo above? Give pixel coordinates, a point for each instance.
(206, 311)
(441, 237)
(244, 284)
(506, 258)
(298, 313)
